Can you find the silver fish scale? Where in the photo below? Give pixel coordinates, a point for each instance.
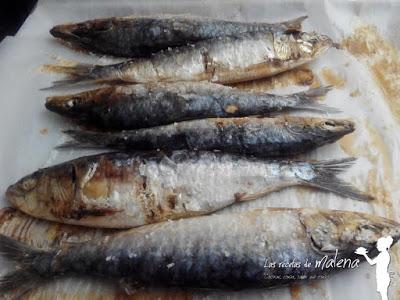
(193, 247)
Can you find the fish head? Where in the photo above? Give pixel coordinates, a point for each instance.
(319, 130)
(314, 43)
(333, 126)
(45, 192)
(82, 33)
(301, 46)
(346, 231)
(79, 105)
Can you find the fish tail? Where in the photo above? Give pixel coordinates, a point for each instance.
(83, 139)
(79, 73)
(33, 266)
(325, 178)
(316, 92)
(294, 24)
(307, 100)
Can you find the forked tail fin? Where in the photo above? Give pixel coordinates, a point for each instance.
(85, 139)
(294, 24)
(307, 100)
(325, 178)
(33, 266)
(77, 74)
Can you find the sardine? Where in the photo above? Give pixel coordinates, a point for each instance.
(235, 255)
(123, 190)
(264, 137)
(141, 36)
(220, 60)
(141, 106)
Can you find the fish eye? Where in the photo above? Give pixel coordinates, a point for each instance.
(101, 26)
(28, 184)
(71, 103)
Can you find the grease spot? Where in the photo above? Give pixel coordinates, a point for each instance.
(355, 93)
(230, 109)
(332, 78)
(382, 59)
(295, 291)
(347, 143)
(44, 131)
(61, 62)
(374, 148)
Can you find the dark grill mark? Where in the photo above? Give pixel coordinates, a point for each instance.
(80, 213)
(171, 200)
(239, 196)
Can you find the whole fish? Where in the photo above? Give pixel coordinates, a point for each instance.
(231, 251)
(123, 190)
(140, 36)
(265, 137)
(148, 105)
(221, 60)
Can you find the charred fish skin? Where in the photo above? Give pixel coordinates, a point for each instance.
(124, 190)
(141, 106)
(263, 137)
(141, 36)
(221, 60)
(182, 253)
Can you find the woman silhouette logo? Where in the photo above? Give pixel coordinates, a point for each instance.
(382, 262)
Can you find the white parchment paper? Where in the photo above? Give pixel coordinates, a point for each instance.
(29, 133)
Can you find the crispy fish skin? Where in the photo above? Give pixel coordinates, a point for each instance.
(148, 105)
(221, 60)
(141, 36)
(264, 137)
(182, 253)
(123, 190)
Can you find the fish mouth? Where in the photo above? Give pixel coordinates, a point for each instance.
(324, 43)
(81, 32)
(67, 105)
(336, 129)
(65, 32)
(339, 126)
(76, 105)
(61, 104)
(56, 101)
(77, 34)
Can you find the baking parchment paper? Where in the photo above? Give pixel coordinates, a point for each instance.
(366, 74)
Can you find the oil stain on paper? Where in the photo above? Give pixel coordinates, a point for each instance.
(382, 59)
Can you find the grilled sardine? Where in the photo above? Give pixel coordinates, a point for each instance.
(141, 36)
(140, 106)
(236, 255)
(122, 190)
